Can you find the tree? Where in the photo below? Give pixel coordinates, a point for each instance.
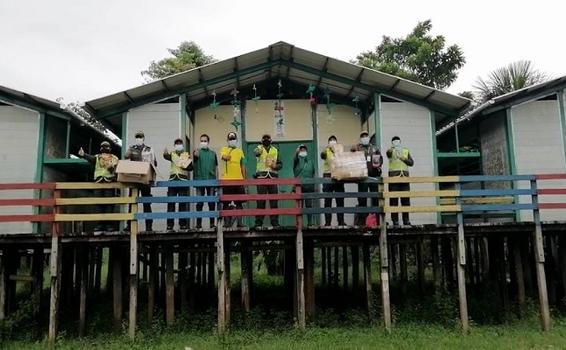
(514, 76)
(419, 56)
(187, 55)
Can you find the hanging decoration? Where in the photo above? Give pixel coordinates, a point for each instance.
(214, 105)
(311, 89)
(357, 110)
(279, 86)
(255, 98)
(236, 110)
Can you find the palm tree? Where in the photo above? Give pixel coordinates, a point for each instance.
(514, 76)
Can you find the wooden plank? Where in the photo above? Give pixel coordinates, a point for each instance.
(89, 185)
(415, 194)
(384, 266)
(94, 217)
(83, 272)
(133, 278)
(152, 278)
(43, 202)
(300, 273)
(461, 273)
(116, 266)
(551, 177)
(423, 209)
(220, 267)
(246, 271)
(421, 179)
(478, 200)
(259, 197)
(27, 218)
(28, 186)
(95, 200)
(169, 287)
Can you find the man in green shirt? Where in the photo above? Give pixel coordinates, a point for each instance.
(303, 168)
(205, 168)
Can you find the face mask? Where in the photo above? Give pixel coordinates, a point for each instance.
(396, 143)
(303, 154)
(332, 142)
(364, 141)
(139, 141)
(266, 142)
(232, 143)
(204, 145)
(179, 147)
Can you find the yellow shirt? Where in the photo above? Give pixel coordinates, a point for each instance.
(232, 168)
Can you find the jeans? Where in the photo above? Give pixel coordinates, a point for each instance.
(265, 189)
(183, 207)
(208, 191)
(333, 187)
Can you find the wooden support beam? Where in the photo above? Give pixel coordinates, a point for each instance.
(3, 284)
(329, 265)
(562, 262)
(436, 267)
(323, 265)
(384, 262)
(336, 269)
(133, 276)
(151, 284)
(55, 270)
(246, 272)
(221, 267)
(310, 305)
(355, 267)
(419, 252)
(98, 269)
(169, 287)
(210, 270)
(461, 273)
(345, 267)
(403, 273)
(116, 266)
(300, 279)
(83, 275)
(191, 280)
(37, 273)
(183, 268)
(228, 290)
(519, 275)
(367, 278)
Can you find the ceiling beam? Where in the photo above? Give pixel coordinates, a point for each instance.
(358, 79)
(237, 71)
(128, 97)
(323, 70)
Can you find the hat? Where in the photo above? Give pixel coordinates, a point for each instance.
(105, 144)
(332, 137)
(139, 134)
(365, 132)
(395, 138)
(231, 133)
(178, 140)
(302, 146)
(266, 136)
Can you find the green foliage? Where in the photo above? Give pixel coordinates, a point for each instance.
(187, 55)
(419, 56)
(514, 76)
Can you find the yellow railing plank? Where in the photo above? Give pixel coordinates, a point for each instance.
(423, 209)
(414, 194)
(88, 185)
(480, 200)
(95, 200)
(94, 217)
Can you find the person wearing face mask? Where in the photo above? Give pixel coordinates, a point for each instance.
(140, 152)
(336, 186)
(267, 166)
(104, 172)
(181, 164)
(374, 161)
(205, 167)
(399, 162)
(234, 168)
(303, 168)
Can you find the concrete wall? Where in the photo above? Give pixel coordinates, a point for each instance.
(161, 124)
(259, 120)
(538, 149)
(216, 128)
(19, 133)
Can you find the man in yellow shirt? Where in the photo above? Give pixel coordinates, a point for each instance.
(232, 161)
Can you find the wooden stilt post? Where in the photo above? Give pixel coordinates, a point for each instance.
(329, 276)
(367, 278)
(210, 270)
(461, 268)
(3, 285)
(55, 271)
(419, 249)
(37, 272)
(355, 267)
(228, 289)
(539, 262)
(221, 268)
(403, 273)
(384, 262)
(323, 265)
(336, 269)
(300, 279)
(521, 295)
(191, 280)
(309, 281)
(151, 288)
(83, 275)
(245, 275)
(116, 266)
(183, 262)
(132, 325)
(345, 267)
(169, 286)
(436, 267)
(562, 262)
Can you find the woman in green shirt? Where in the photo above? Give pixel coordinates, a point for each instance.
(303, 168)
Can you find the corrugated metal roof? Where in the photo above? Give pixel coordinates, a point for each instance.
(278, 60)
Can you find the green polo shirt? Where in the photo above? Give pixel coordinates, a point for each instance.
(205, 165)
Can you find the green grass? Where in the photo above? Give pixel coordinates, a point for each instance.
(409, 336)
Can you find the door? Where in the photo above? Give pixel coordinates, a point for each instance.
(287, 151)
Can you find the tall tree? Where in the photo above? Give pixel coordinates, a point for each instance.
(419, 56)
(514, 76)
(187, 55)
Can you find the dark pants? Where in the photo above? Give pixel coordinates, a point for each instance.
(360, 219)
(307, 203)
(208, 191)
(183, 207)
(265, 189)
(404, 202)
(239, 204)
(333, 187)
(105, 208)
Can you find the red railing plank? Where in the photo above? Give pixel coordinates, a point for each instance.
(45, 202)
(552, 191)
(552, 205)
(551, 177)
(27, 218)
(259, 182)
(28, 186)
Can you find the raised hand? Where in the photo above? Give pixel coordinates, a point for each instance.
(81, 152)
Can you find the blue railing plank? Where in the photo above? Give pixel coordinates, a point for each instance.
(496, 192)
(188, 183)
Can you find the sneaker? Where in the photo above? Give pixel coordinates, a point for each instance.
(98, 229)
(408, 223)
(395, 223)
(198, 227)
(169, 228)
(258, 228)
(149, 229)
(183, 228)
(110, 229)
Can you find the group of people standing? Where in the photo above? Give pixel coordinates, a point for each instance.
(204, 163)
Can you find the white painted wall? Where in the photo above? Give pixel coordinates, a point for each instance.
(19, 134)
(160, 123)
(538, 149)
(412, 123)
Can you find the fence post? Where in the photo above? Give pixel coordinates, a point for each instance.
(384, 260)
(221, 269)
(133, 267)
(54, 269)
(539, 261)
(300, 273)
(461, 266)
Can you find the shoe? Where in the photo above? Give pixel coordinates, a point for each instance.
(198, 227)
(110, 229)
(408, 223)
(258, 228)
(395, 223)
(169, 228)
(149, 229)
(183, 228)
(327, 224)
(98, 229)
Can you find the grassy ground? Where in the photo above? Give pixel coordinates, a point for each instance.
(409, 336)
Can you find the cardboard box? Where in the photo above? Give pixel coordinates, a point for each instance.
(135, 172)
(349, 166)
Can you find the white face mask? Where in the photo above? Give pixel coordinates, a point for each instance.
(204, 145)
(332, 142)
(303, 154)
(364, 140)
(139, 141)
(232, 143)
(396, 143)
(179, 147)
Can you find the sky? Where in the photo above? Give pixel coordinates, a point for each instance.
(81, 50)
